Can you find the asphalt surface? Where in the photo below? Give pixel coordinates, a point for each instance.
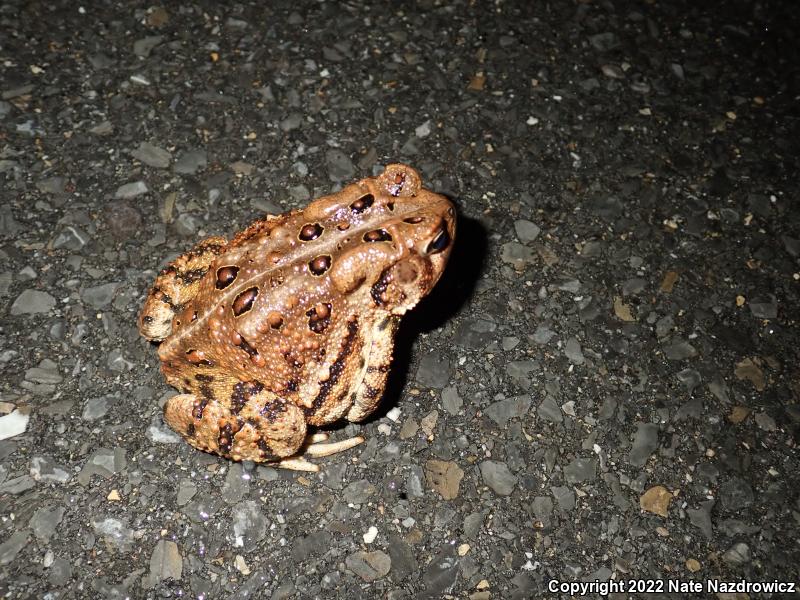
(603, 388)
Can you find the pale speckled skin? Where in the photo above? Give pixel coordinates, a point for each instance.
(302, 332)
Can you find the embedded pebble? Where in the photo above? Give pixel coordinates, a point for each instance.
(434, 370)
(403, 559)
(116, 361)
(498, 477)
(679, 350)
(96, 408)
(656, 500)
(623, 311)
(249, 525)
(166, 562)
(186, 491)
(51, 185)
(236, 484)
(564, 497)
(394, 414)
(190, 162)
(750, 370)
(31, 302)
(369, 565)
(424, 130)
(444, 477)
(242, 168)
(441, 573)
(633, 286)
(451, 401)
(572, 350)
(152, 155)
(517, 255)
(100, 296)
(549, 410)
(17, 485)
(414, 480)
(131, 190)
(792, 245)
(313, 544)
(603, 42)
(143, 46)
(8, 224)
(115, 533)
(764, 308)
(340, 167)
(736, 555)
(502, 411)
(543, 334)
(580, 469)
(701, 518)
(102, 128)
(122, 219)
(409, 429)
(690, 378)
(104, 462)
(475, 333)
(44, 468)
(6, 279)
(735, 494)
(45, 520)
(473, 523)
(765, 422)
(358, 492)
(526, 230)
(292, 122)
(186, 224)
(664, 326)
(644, 444)
(45, 372)
(612, 71)
(300, 193)
(12, 546)
(71, 238)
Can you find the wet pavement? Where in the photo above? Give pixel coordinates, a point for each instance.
(604, 387)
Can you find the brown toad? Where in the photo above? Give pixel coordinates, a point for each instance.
(292, 322)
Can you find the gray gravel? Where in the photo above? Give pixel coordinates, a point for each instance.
(614, 340)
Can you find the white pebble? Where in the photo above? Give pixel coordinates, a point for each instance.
(532, 121)
(14, 423)
(371, 534)
(394, 414)
(423, 130)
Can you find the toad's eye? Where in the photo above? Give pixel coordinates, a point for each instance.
(439, 243)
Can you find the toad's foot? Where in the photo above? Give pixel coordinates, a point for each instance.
(315, 448)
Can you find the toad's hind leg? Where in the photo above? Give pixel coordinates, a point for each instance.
(255, 425)
(176, 285)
